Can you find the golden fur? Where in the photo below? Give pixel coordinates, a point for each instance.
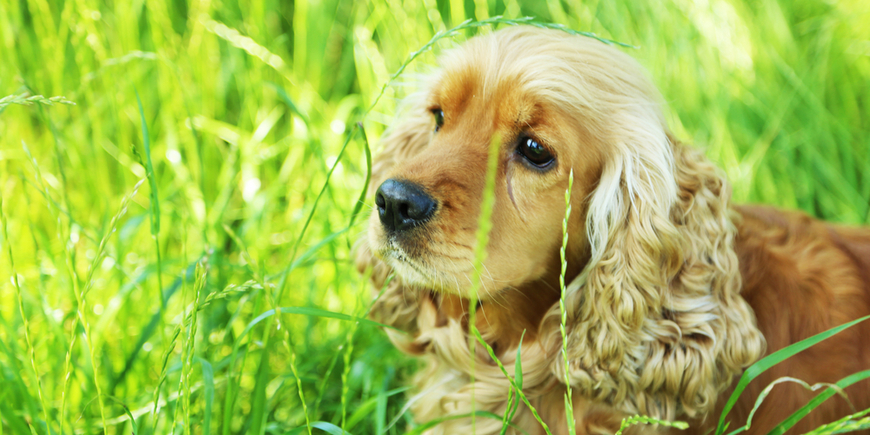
(674, 292)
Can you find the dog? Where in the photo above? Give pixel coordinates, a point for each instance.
(673, 291)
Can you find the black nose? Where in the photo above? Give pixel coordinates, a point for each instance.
(402, 205)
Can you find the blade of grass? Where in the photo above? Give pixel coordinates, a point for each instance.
(381, 400)
(362, 196)
(484, 225)
(155, 200)
(569, 405)
(24, 100)
(289, 102)
(514, 405)
(789, 422)
(179, 404)
(61, 167)
(126, 411)
(188, 344)
(327, 427)
(259, 411)
(641, 419)
(17, 424)
(148, 330)
(317, 312)
(146, 333)
(365, 409)
(321, 388)
(773, 359)
(208, 392)
(199, 284)
(515, 382)
(286, 272)
(850, 423)
(27, 339)
(309, 253)
(430, 424)
(81, 304)
(258, 396)
(310, 311)
(766, 391)
(348, 351)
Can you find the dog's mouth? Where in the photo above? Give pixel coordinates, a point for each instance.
(415, 269)
(410, 269)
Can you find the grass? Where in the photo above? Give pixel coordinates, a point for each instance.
(241, 154)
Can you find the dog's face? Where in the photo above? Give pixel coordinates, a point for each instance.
(427, 209)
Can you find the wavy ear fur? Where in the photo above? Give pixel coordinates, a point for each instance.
(397, 306)
(656, 322)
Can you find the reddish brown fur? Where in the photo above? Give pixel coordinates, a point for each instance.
(802, 277)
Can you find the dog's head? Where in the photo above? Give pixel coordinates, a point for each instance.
(522, 86)
(655, 298)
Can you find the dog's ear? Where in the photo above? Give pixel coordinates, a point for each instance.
(656, 323)
(397, 306)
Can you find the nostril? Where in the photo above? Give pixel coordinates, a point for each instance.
(418, 209)
(403, 211)
(380, 201)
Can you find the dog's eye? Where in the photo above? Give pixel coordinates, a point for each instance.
(439, 118)
(534, 152)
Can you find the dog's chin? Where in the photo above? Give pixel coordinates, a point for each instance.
(412, 272)
(419, 273)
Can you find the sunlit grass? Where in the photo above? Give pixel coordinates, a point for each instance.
(250, 160)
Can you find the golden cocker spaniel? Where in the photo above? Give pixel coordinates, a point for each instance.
(673, 290)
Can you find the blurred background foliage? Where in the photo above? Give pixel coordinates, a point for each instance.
(245, 109)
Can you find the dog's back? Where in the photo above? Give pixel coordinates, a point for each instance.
(803, 276)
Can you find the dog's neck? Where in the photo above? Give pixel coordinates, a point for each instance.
(504, 319)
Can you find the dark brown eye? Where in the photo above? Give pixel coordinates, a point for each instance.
(439, 118)
(534, 152)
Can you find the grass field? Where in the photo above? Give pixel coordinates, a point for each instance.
(209, 170)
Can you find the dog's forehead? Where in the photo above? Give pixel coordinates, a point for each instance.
(503, 96)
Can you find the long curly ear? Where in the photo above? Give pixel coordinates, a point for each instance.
(397, 306)
(656, 322)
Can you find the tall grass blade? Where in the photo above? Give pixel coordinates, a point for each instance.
(850, 423)
(327, 427)
(513, 381)
(258, 403)
(793, 419)
(473, 415)
(362, 196)
(126, 412)
(24, 100)
(27, 339)
(569, 405)
(773, 359)
(155, 199)
(514, 405)
(484, 225)
(201, 276)
(208, 393)
(640, 419)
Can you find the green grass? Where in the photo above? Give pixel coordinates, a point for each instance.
(252, 168)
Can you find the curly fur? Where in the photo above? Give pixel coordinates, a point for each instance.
(659, 311)
(658, 324)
